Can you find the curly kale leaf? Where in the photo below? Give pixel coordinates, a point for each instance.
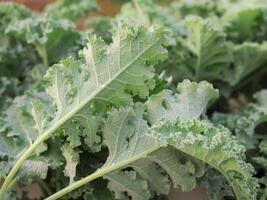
(71, 10)
(214, 146)
(244, 122)
(249, 58)
(190, 101)
(15, 56)
(210, 51)
(133, 146)
(246, 22)
(202, 8)
(10, 12)
(151, 172)
(48, 36)
(82, 89)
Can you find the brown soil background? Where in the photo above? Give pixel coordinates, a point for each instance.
(108, 9)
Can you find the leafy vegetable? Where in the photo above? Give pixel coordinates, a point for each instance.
(107, 85)
(124, 135)
(102, 107)
(46, 35)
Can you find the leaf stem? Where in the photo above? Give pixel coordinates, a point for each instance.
(100, 173)
(199, 56)
(6, 185)
(11, 185)
(43, 54)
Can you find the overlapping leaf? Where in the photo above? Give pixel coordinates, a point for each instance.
(212, 145)
(104, 78)
(243, 123)
(72, 159)
(203, 8)
(47, 35)
(246, 22)
(11, 12)
(190, 102)
(71, 10)
(15, 56)
(206, 41)
(181, 169)
(105, 75)
(248, 58)
(125, 134)
(128, 182)
(141, 139)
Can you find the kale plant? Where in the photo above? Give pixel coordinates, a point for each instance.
(166, 94)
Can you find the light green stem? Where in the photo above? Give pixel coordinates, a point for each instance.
(15, 168)
(12, 184)
(43, 54)
(100, 173)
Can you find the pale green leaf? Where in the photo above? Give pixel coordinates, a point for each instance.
(104, 75)
(246, 22)
(122, 182)
(206, 41)
(72, 130)
(214, 146)
(34, 168)
(108, 71)
(244, 122)
(125, 135)
(10, 147)
(47, 35)
(190, 102)
(158, 181)
(248, 58)
(89, 129)
(19, 121)
(262, 160)
(182, 170)
(72, 159)
(130, 141)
